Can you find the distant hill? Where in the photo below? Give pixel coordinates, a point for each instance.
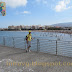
(69, 24)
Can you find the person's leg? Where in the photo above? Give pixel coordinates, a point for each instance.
(29, 46)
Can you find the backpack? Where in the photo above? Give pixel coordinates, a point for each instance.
(26, 37)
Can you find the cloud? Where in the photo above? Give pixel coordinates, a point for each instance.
(24, 12)
(62, 5)
(15, 3)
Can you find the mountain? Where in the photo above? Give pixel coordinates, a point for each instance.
(69, 24)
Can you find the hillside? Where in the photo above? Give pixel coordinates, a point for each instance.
(69, 24)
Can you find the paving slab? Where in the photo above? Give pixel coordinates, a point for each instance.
(32, 61)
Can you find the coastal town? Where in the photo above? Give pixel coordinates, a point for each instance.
(45, 28)
(34, 27)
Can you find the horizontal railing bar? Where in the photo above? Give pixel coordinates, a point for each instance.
(66, 53)
(49, 47)
(65, 46)
(19, 42)
(65, 49)
(49, 50)
(64, 43)
(47, 44)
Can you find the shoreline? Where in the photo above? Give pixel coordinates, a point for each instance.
(60, 31)
(56, 31)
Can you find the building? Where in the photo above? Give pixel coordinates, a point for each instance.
(18, 27)
(11, 27)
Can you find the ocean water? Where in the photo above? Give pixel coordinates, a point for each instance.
(45, 35)
(48, 42)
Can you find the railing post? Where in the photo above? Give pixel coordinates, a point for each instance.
(13, 42)
(38, 49)
(25, 43)
(56, 47)
(4, 41)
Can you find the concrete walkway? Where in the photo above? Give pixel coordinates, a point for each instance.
(32, 62)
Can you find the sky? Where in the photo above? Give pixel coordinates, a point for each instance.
(36, 12)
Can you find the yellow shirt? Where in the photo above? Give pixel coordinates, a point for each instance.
(29, 37)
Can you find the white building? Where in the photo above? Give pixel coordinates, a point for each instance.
(27, 27)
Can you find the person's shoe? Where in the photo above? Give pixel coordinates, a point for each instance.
(29, 50)
(26, 51)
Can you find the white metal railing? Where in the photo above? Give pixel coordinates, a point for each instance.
(57, 47)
